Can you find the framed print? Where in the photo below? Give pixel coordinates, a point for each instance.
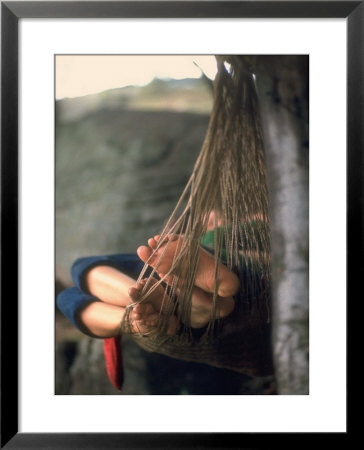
(37, 39)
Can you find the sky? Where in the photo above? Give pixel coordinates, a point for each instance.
(79, 75)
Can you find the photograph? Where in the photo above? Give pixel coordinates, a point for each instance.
(162, 203)
(181, 214)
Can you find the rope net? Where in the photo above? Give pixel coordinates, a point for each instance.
(221, 220)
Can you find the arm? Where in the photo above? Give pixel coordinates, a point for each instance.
(109, 285)
(89, 314)
(100, 319)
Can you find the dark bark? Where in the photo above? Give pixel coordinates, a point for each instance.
(282, 83)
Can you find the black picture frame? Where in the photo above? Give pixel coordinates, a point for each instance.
(11, 13)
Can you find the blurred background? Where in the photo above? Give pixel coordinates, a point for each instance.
(128, 132)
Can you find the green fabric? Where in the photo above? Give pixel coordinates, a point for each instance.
(249, 229)
(208, 241)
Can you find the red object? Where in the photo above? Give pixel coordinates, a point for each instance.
(114, 361)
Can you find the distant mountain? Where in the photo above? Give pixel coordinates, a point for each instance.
(186, 95)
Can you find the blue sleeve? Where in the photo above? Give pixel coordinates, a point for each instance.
(130, 264)
(71, 300)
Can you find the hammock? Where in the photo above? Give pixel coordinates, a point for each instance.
(228, 183)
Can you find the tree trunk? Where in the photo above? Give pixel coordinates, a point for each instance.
(282, 83)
